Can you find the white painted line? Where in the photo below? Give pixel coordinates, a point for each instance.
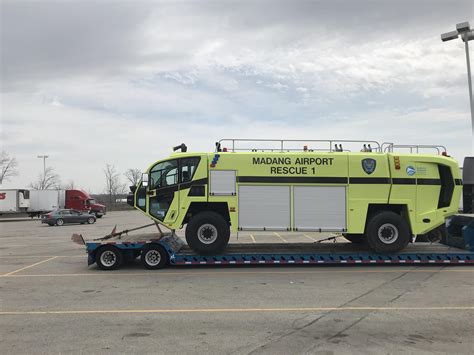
(29, 266)
(279, 236)
(307, 236)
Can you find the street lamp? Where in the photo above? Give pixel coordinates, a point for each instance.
(44, 163)
(467, 34)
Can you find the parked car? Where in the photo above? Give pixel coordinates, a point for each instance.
(60, 217)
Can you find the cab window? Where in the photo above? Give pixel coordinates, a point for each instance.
(188, 167)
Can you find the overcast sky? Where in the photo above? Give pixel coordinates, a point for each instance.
(121, 82)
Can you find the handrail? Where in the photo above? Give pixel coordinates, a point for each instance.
(389, 147)
(332, 144)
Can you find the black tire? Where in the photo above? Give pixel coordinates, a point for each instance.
(59, 222)
(207, 233)
(91, 220)
(387, 232)
(109, 258)
(51, 224)
(437, 235)
(99, 216)
(154, 256)
(356, 238)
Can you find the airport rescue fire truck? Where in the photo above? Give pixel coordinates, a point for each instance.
(374, 196)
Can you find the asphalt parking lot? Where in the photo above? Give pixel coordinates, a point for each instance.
(52, 302)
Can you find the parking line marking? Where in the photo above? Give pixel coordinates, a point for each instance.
(242, 310)
(29, 266)
(279, 236)
(253, 238)
(307, 236)
(227, 272)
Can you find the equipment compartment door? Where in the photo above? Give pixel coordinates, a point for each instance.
(264, 207)
(320, 208)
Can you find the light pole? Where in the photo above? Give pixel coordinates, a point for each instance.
(44, 164)
(467, 34)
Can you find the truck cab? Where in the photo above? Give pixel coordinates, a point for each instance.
(82, 201)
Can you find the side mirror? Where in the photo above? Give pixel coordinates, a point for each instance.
(144, 180)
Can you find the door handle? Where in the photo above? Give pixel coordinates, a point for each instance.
(151, 193)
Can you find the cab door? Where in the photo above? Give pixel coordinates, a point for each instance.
(162, 196)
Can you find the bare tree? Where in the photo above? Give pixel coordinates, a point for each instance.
(133, 176)
(48, 180)
(70, 185)
(8, 167)
(113, 185)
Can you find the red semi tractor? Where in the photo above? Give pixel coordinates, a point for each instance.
(38, 202)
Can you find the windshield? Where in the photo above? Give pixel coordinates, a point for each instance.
(164, 174)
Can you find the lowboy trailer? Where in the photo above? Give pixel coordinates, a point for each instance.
(158, 250)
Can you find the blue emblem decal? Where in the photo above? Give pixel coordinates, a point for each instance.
(369, 165)
(411, 170)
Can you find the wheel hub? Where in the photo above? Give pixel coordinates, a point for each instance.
(388, 233)
(153, 257)
(108, 258)
(207, 234)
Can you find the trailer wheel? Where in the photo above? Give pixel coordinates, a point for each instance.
(207, 233)
(356, 238)
(59, 222)
(437, 235)
(154, 256)
(109, 258)
(387, 232)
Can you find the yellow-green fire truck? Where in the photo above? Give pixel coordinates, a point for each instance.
(375, 196)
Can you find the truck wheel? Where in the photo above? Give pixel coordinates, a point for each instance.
(90, 220)
(356, 238)
(98, 216)
(154, 256)
(59, 222)
(387, 232)
(109, 258)
(207, 233)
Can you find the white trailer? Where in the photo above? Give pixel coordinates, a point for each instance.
(42, 201)
(14, 201)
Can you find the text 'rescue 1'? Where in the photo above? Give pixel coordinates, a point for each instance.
(287, 165)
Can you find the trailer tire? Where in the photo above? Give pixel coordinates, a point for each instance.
(356, 238)
(109, 258)
(154, 256)
(59, 222)
(387, 232)
(437, 235)
(207, 233)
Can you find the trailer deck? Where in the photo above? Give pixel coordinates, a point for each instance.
(286, 254)
(169, 249)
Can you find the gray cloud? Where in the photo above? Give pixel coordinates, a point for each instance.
(124, 75)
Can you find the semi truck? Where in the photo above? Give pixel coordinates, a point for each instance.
(38, 202)
(374, 196)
